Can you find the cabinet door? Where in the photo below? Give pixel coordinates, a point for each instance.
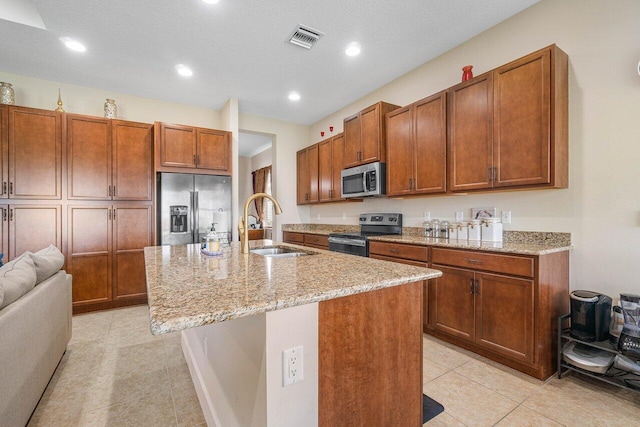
(214, 150)
(4, 151)
(302, 174)
(89, 253)
(337, 164)
(35, 156)
(325, 172)
(430, 142)
(400, 156)
(521, 138)
(352, 137)
(177, 146)
(470, 139)
(33, 227)
(131, 233)
(132, 161)
(312, 167)
(4, 233)
(451, 302)
(370, 134)
(88, 157)
(504, 315)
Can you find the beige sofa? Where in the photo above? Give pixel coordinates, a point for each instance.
(35, 328)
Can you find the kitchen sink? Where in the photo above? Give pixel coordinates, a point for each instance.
(280, 252)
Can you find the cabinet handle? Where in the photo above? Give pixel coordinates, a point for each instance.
(471, 286)
(489, 176)
(4, 187)
(4, 214)
(394, 251)
(114, 214)
(197, 159)
(109, 213)
(473, 261)
(495, 173)
(10, 214)
(109, 191)
(114, 191)
(477, 287)
(194, 160)
(11, 188)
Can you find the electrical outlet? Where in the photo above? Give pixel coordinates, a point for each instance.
(292, 371)
(459, 216)
(426, 216)
(506, 217)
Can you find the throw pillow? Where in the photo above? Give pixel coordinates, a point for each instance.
(47, 262)
(17, 278)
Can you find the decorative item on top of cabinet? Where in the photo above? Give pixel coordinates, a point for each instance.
(418, 135)
(500, 306)
(32, 164)
(7, 94)
(307, 175)
(108, 159)
(330, 164)
(508, 127)
(180, 148)
(29, 228)
(365, 135)
(59, 109)
(110, 109)
(467, 72)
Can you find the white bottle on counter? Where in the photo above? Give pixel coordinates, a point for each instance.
(474, 229)
(463, 231)
(491, 230)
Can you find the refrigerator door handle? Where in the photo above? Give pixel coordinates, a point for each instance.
(195, 212)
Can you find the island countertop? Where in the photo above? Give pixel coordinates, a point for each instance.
(186, 288)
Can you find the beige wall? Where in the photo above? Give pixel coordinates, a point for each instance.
(601, 207)
(245, 167)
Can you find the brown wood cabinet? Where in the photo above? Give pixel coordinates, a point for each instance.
(417, 140)
(4, 150)
(330, 155)
(500, 306)
(293, 237)
(318, 241)
(29, 228)
(508, 127)
(307, 175)
(365, 135)
(34, 166)
(180, 147)
(105, 254)
(108, 159)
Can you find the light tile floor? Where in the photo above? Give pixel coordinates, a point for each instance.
(115, 373)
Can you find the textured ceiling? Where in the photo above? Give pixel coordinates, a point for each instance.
(238, 49)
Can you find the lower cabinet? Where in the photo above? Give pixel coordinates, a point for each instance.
(293, 237)
(106, 254)
(29, 228)
(312, 240)
(405, 254)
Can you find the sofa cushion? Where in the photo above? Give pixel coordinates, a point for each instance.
(17, 277)
(48, 261)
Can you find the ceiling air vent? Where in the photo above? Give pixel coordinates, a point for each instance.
(305, 37)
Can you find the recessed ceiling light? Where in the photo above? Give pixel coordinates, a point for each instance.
(211, 1)
(73, 44)
(353, 49)
(183, 70)
(294, 96)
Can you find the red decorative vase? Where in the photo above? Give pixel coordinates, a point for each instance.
(467, 74)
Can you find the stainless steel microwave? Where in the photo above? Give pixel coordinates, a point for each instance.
(364, 181)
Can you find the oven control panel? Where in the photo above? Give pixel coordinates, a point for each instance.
(381, 219)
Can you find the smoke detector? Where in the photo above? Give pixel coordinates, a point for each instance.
(305, 37)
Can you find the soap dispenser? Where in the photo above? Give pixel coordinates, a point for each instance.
(212, 241)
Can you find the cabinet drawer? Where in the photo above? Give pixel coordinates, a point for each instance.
(507, 264)
(292, 237)
(398, 250)
(316, 240)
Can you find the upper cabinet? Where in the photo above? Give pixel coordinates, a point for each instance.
(364, 135)
(330, 164)
(307, 175)
(417, 139)
(108, 159)
(508, 127)
(31, 160)
(203, 150)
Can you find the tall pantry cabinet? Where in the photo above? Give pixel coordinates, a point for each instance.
(109, 210)
(31, 172)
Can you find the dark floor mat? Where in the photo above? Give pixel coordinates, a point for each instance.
(430, 408)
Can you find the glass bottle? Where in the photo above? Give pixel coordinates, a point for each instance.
(110, 109)
(7, 95)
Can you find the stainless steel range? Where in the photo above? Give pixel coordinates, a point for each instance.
(371, 224)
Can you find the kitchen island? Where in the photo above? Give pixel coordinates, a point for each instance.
(358, 321)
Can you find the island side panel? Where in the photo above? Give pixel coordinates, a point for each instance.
(370, 358)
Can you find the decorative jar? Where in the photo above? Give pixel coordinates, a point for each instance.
(7, 95)
(110, 109)
(491, 230)
(467, 74)
(474, 229)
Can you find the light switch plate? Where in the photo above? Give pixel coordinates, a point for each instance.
(506, 217)
(459, 216)
(426, 216)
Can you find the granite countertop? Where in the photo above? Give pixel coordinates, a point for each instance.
(187, 289)
(515, 242)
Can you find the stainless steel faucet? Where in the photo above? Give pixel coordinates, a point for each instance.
(243, 222)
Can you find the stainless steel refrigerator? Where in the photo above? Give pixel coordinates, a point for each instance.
(189, 205)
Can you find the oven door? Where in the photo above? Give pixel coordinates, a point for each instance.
(349, 246)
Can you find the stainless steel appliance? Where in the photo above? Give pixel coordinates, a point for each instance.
(629, 341)
(371, 224)
(190, 205)
(590, 316)
(364, 181)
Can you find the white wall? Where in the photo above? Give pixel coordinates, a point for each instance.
(601, 207)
